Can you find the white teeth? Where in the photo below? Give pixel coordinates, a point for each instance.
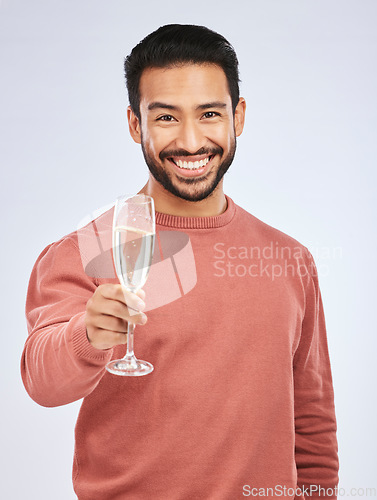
(191, 165)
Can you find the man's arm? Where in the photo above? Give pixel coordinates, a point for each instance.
(316, 449)
(59, 365)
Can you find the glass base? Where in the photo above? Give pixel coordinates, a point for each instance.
(129, 367)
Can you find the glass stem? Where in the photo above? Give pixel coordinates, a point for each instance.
(130, 341)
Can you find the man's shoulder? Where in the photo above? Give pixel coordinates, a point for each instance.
(91, 227)
(262, 233)
(88, 246)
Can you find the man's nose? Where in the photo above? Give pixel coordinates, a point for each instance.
(190, 137)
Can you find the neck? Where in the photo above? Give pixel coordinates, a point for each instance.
(167, 203)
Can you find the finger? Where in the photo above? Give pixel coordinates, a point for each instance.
(120, 310)
(119, 325)
(105, 339)
(138, 319)
(135, 304)
(141, 293)
(111, 323)
(120, 293)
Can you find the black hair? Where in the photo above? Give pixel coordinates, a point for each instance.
(175, 44)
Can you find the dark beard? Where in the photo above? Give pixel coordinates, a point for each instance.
(203, 188)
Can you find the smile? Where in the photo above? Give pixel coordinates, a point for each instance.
(192, 168)
(191, 165)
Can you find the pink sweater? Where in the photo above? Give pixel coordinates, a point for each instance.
(240, 402)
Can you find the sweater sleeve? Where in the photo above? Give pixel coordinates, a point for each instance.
(58, 364)
(316, 447)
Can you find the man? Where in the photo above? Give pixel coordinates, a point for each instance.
(240, 402)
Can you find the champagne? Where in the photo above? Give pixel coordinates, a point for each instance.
(133, 252)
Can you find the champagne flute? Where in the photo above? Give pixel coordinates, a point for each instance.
(133, 245)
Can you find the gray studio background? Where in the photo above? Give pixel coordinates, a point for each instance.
(305, 164)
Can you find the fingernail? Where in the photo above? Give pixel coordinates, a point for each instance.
(143, 319)
(140, 305)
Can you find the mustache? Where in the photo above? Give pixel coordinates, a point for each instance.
(183, 152)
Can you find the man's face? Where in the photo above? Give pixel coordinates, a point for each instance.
(187, 129)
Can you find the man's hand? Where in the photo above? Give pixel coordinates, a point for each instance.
(108, 312)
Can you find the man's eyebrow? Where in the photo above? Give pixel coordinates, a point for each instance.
(207, 105)
(162, 105)
(215, 104)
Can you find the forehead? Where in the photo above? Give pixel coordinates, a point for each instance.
(184, 85)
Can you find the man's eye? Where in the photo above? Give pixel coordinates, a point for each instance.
(210, 114)
(166, 118)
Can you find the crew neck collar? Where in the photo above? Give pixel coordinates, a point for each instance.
(213, 221)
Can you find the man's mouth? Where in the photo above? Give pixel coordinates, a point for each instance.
(198, 163)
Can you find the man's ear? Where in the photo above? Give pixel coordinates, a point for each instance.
(134, 125)
(239, 116)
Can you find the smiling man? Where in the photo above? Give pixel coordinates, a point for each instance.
(241, 400)
(187, 126)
